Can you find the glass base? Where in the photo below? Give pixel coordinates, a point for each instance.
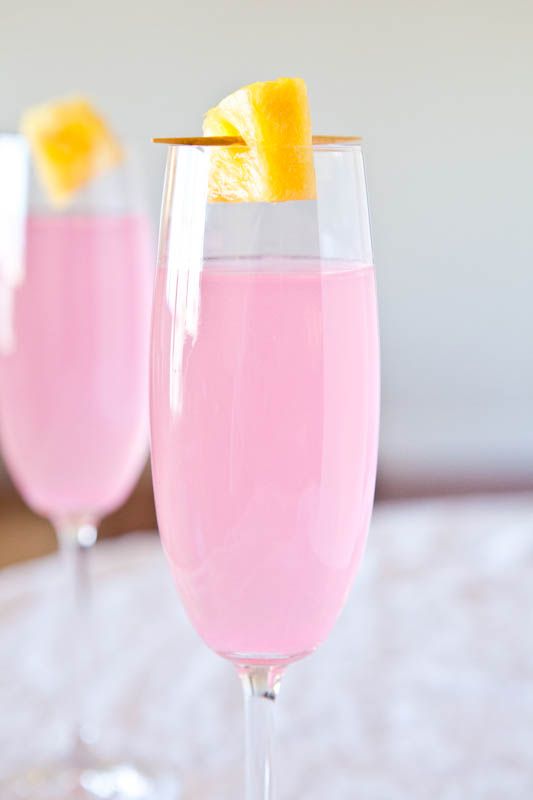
(64, 780)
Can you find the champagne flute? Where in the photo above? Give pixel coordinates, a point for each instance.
(75, 286)
(264, 415)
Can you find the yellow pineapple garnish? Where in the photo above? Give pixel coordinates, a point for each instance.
(276, 164)
(71, 145)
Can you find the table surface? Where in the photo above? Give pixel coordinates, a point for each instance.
(424, 689)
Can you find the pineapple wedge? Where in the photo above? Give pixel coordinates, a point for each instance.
(276, 164)
(71, 144)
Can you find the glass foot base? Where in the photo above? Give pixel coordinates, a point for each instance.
(96, 781)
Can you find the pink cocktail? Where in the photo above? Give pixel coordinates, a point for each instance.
(264, 469)
(73, 382)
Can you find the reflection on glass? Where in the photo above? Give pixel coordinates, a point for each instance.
(14, 165)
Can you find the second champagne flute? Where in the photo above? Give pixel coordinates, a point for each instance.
(76, 295)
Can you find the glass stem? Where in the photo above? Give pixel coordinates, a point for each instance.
(75, 538)
(260, 688)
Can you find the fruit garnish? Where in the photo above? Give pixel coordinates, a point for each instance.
(276, 163)
(71, 145)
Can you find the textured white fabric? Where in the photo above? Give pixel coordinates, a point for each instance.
(424, 690)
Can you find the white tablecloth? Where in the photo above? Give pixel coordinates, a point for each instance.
(424, 690)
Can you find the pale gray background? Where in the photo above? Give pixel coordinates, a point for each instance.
(442, 93)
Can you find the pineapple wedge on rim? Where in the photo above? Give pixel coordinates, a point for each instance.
(276, 164)
(71, 145)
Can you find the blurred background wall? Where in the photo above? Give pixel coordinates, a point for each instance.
(442, 93)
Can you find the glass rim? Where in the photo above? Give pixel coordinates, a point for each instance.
(206, 143)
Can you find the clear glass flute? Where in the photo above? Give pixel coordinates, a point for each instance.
(75, 289)
(264, 416)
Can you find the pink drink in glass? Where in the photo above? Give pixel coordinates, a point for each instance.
(265, 453)
(73, 385)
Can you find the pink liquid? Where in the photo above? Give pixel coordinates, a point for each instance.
(73, 408)
(264, 470)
